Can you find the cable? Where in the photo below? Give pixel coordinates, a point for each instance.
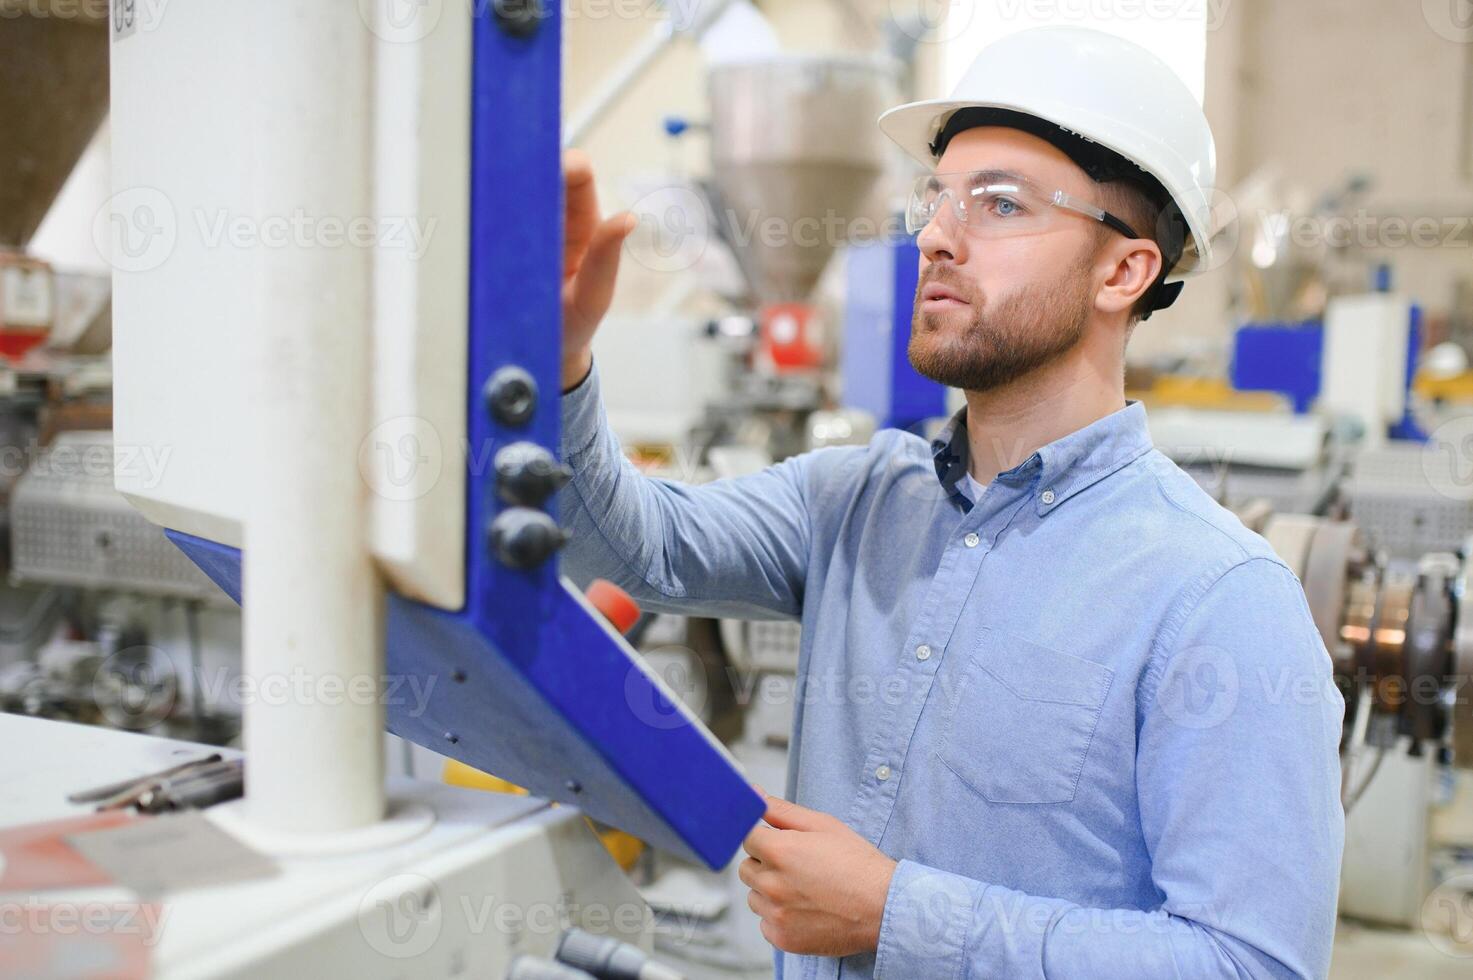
(1365, 783)
(1360, 724)
(532, 968)
(610, 959)
(196, 666)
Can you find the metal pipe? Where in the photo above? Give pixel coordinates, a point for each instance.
(633, 67)
(623, 77)
(196, 666)
(313, 602)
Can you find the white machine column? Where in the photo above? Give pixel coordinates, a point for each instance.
(312, 600)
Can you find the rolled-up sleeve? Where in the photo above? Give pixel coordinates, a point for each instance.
(1238, 780)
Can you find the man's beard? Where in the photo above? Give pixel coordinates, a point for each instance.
(1009, 339)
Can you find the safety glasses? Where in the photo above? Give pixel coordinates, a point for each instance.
(1000, 204)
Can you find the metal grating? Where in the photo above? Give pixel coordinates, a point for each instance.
(773, 645)
(70, 527)
(1390, 496)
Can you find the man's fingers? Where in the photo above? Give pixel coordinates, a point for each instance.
(581, 209)
(747, 872)
(791, 816)
(593, 289)
(761, 842)
(760, 904)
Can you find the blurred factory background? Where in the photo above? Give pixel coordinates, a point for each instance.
(1317, 381)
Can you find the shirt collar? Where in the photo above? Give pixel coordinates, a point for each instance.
(1059, 470)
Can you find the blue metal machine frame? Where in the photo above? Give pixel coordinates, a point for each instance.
(524, 681)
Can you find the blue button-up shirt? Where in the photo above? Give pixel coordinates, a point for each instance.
(1090, 716)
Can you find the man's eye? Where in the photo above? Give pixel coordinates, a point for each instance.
(1005, 207)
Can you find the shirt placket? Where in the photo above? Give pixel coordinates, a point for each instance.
(921, 656)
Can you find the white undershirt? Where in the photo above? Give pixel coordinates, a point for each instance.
(972, 490)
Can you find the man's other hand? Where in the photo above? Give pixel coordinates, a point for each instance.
(819, 887)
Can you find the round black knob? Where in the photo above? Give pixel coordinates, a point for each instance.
(525, 538)
(527, 474)
(519, 18)
(511, 395)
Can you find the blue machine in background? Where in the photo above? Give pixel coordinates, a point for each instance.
(880, 303)
(1287, 358)
(1280, 357)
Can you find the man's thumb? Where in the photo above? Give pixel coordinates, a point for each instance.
(790, 816)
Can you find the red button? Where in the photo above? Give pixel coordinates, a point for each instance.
(614, 603)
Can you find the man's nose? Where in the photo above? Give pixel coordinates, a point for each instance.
(944, 237)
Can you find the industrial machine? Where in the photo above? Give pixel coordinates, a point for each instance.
(70, 527)
(1400, 635)
(1359, 363)
(295, 282)
(795, 162)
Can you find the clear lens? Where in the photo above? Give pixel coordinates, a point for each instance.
(991, 204)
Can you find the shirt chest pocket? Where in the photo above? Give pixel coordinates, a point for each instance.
(1022, 720)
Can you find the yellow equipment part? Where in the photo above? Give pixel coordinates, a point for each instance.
(1211, 393)
(1458, 388)
(624, 848)
(460, 774)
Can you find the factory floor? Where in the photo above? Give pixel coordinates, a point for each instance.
(1362, 952)
(1366, 953)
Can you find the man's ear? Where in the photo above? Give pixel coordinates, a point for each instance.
(1132, 265)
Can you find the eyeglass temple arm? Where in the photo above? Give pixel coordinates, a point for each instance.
(1099, 214)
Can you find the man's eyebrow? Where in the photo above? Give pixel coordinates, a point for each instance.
(981, 178)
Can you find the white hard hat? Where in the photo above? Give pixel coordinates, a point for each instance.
(1106, 89)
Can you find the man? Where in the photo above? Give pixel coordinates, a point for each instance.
(1060, 715)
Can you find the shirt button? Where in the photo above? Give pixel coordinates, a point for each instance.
(923, 652)
(882, 773)
(972, 540)
(1048, 497)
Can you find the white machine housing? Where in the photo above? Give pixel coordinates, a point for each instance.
(200, 228)
(1363, 366)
